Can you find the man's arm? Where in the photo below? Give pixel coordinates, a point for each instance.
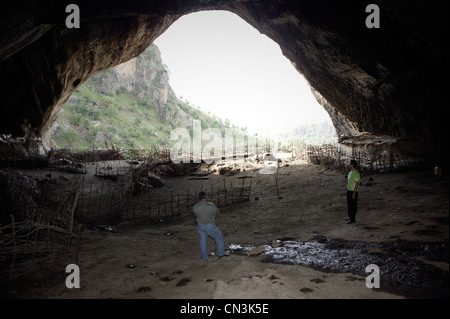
(355, 188)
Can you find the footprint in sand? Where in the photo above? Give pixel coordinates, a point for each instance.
(183, 282)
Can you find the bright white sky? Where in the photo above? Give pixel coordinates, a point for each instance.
(220, 63)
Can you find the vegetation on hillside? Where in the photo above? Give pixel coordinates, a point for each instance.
(140, 113)
(316, 133)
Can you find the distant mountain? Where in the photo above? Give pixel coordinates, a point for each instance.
(129, 106)
(315, 133)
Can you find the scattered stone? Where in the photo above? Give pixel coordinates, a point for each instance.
(369, 182)
(201, 173)
(183, 282)
(257, 250)
(276, 243)
(106, 228)
(306, 290)
(155, 180)
(144, 289)
(317, 280)
(353, 278)
(224, 170)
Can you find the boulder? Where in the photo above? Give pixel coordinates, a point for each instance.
(155, 180)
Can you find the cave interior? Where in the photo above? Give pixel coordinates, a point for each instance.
(388, 80)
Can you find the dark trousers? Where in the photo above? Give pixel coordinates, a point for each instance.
(352, 205)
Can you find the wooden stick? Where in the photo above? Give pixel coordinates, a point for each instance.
(15, 243)
(74, 206)
(171, 207)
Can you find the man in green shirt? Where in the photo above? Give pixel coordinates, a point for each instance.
(206, 213)
(353, 180)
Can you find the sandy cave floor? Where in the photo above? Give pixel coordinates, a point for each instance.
(402, 220)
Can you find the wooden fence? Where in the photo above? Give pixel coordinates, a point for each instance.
(161, 206)
(113, 200)
(41, 231)
(103, 203)
(370, 159)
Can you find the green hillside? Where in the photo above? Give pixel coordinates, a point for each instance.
(134, 109)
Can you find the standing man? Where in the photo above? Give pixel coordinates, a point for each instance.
(206, 213)
(352, 192)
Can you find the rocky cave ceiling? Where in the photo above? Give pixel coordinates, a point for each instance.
(390, 80)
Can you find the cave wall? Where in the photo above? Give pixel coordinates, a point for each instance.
(389, 81)
(39, 79)
(385, 80)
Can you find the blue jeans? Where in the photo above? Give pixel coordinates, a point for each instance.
(205, 230)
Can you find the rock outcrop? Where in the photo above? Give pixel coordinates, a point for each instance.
(386, 81)
(145, 76)
(37, 81)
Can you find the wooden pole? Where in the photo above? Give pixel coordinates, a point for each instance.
(74, 207)
(218, 196)
(13, 223)
(149, 205)
(187, 201)
(232, 200)
(82, 195)
(159, 206)
(171, 202)
(225, 193)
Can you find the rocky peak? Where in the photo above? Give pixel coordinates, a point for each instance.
(145, 76)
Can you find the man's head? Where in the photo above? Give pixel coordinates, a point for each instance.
(354, 163)
(202, 195)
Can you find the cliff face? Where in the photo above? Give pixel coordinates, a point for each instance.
(131, 105)
(145, 76)
(37, 80)
(391, 80)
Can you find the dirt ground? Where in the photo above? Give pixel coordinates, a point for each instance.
(163, 261)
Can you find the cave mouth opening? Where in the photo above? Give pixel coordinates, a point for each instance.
(218, 64)
(304, 33)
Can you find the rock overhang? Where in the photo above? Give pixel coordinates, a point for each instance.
(389, 81)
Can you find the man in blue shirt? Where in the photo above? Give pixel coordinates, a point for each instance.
(206, 213)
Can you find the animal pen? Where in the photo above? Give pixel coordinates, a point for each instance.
(42, 229)
(157, 207)
(124, 197)
(47, 214)
(373, 154)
